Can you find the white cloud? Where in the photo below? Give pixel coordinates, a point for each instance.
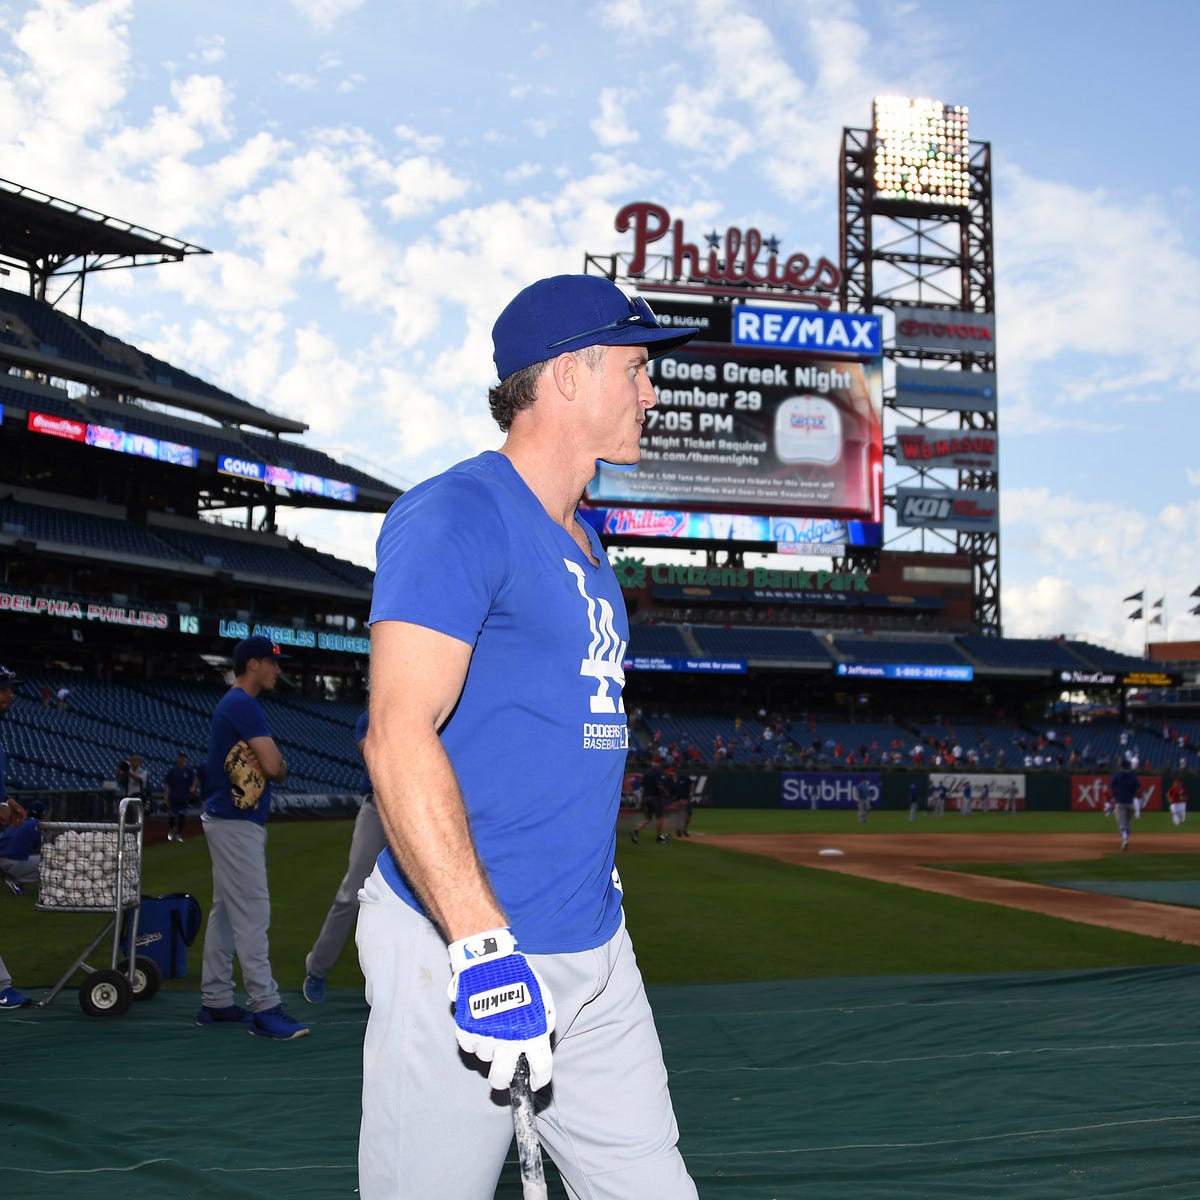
(422, 184)
(611, 125)
(1091, 554)
(325, 14)
(1069, 264)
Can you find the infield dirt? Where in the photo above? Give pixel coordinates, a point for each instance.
(910, 860)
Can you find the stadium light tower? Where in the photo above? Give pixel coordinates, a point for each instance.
(915, 223)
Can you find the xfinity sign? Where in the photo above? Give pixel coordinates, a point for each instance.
(829, 332)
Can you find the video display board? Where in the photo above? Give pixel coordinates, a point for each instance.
(762, 427)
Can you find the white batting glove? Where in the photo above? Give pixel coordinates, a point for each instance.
(502, 1009)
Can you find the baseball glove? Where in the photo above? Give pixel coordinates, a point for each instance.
(245, 775)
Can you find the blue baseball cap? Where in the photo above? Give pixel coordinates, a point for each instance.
(572, 312)
(254, 647)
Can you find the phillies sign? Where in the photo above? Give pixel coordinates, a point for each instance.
(728, 264)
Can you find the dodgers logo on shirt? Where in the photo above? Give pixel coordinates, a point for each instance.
(603, 663)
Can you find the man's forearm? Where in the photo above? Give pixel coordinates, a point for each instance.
(426, 822)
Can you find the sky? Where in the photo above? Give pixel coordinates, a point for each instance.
(377, 178)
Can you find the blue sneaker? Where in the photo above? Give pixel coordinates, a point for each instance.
(231, 1014)
(11, 998)
(314, 988)
(275, 1023)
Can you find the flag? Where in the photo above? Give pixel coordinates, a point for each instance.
(1196, 611)
(1155, 620)
(1136, 615)
(1196, 591)
(1159, 602)
(1142, 595)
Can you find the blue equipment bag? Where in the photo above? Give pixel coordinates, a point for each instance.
(167, 926)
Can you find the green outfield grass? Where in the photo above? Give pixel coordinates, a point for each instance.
(697, 913)
(1114, 867)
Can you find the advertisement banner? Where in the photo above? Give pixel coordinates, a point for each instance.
(960, 449)
(937, 329)
(712, 666)
(59, 427)
(950, 390)
(756, 430)
(856, 334)
(228, 464)
(789, 533)
(826, 789)
(1090, 793)
(713, 322)
(947, 508)
(935, 672)
(966, 792)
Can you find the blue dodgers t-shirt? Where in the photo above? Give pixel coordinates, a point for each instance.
(538, 739)
(237, 718)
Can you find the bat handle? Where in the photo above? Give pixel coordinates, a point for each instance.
(529, 1150)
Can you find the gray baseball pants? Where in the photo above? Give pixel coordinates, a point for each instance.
(239, 917)
(366, 842)
(432, 1126)
(23, 870)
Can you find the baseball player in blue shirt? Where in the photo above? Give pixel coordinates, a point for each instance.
(492, 928)
(243, 760)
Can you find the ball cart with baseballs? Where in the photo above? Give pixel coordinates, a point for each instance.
(97, 867)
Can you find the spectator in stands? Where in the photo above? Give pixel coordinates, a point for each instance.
(61, 697)
(20, 842)
(47, 695)
(181, 786)
(9, 996)
(243, 762)
(366, 843)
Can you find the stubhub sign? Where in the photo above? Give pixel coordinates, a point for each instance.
(858, 334)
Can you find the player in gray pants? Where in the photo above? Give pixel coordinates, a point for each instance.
(365, 844)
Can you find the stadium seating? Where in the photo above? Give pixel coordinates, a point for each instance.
(760, 644)
(1034, 654)
(79, 747)
(70, 528)
(36, 326)
(896, 650)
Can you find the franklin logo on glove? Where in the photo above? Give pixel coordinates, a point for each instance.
(498, 1001)
(502, 1009)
